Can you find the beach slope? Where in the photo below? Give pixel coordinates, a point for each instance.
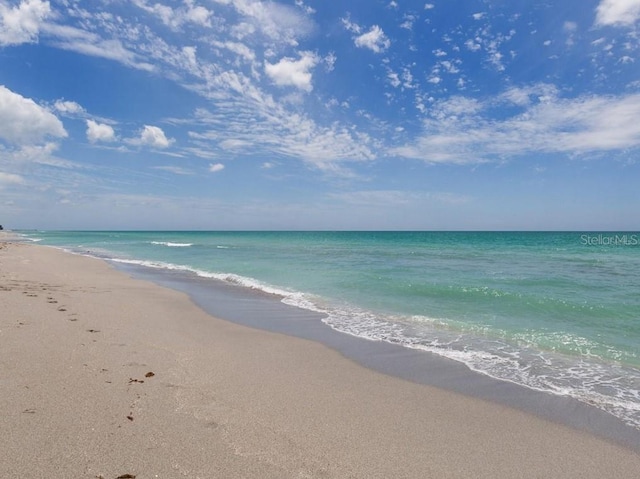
(102, 375)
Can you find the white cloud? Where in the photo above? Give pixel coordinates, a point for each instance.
(21, 24)
(459, 130)
(409, 20)
(330, 61)
(191, 58)
(618, 12)
(99, 132)
(88, 43)
(246, 116)
(70, 107)
(290, 72)
(375, 40)
(394, 79)
(176, 170)
(10, 178)
(197, 14)
(233, 144)
(429, 6)
(239, 49)
(350, 26)
(278, 22)
(152, 136)
(174, 18)
(307, 9)
(472, 45)
(216, 167)
(22, 121)
(276, 131)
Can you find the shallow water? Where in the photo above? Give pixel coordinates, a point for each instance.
(557, 312)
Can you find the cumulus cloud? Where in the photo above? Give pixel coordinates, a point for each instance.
(21, 24)
(99, 132)
(214, 168)
(70, 107)
(618, 12)
(152, 136)
(22, 121)
(290, 72)
(375, 40)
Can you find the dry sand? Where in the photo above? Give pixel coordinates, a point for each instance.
(79, 339)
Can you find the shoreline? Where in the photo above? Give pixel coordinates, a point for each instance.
(241, 306)
(228, 400)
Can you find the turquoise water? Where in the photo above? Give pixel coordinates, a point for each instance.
(558, 312)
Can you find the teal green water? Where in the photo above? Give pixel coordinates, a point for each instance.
(559, 312)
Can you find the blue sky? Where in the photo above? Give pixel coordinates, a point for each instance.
(309, 114)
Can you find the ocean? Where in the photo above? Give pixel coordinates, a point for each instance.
(553, 311)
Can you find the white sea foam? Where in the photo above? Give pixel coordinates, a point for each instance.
(230, 278)
(172, 245)
(613, 388)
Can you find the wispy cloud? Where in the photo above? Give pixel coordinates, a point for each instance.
(390, 198)
(462, 130)
(174, 18)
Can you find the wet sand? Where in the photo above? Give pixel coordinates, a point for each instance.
(103, 375)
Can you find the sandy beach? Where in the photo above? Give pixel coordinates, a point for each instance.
(105, 376)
